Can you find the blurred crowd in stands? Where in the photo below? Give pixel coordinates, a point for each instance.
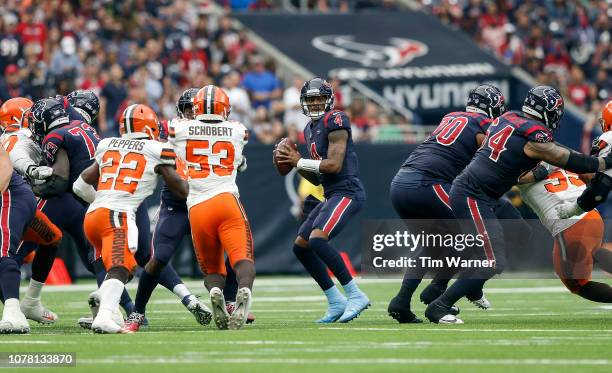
(561, 43)
(147, 52)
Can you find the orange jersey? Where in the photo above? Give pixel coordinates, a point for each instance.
(212, 152)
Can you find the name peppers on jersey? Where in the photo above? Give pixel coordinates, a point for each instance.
(127, 172)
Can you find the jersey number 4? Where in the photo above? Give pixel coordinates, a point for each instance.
(198, 166)
(117, 168)
(497, 142)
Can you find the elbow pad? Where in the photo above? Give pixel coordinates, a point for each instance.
(595, 193)
(85, 191)
(52, 187)
(582, 164)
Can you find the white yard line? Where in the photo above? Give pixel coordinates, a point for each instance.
(343, 361)
(458, 328)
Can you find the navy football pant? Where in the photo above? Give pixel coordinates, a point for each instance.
(331, 216)
(17, 210)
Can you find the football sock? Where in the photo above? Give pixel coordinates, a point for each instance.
(9, 278)
(181, 291)
(351, 289)
(43, 261)
(459, 289)
(409, 285)
(331, 258)
(314, 265)
(245, 273)
(168, 278)
(335, 298)
(110, 293)
(231, 284)
(596, 292)
(146, 285)
(603, 257)
(34, 289)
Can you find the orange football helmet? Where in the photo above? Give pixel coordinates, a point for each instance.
(138, 121)
(606, 117)
(211, 103)
(13, 113)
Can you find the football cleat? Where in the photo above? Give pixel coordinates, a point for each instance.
(335, 310)
(241, 309)
(401, 314)
(482, 303)
(438, 313)
(106, 326)
(133, 322)
(219, 311)
(85, 322)
(356, 304)
(230, 308)
(199, 310)
(13, 320)
(34, 310)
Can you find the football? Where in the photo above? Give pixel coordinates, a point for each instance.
(283, 169)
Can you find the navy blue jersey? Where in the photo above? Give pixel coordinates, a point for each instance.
(79, 140)
(316, 133)
(450, 147)
(501, 160)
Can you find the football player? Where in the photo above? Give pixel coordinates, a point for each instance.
(171, 227)
(420, 188)
(516, 142)
(577, 241)
(332, 162)
(212, 149)
(26, 158)
(125, 171)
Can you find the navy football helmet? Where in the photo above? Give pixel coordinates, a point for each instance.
(47, 114)
(184, 105)
(86, 103)
(316, 98)
(486, 99)
(545, 103)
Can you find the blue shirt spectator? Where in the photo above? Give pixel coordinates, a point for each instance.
(262, 85)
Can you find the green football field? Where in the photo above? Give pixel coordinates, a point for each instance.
(534, 325)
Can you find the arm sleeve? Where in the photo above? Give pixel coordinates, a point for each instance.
(24, 156)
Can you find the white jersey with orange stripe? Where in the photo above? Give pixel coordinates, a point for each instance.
(23, 151)
(212, 151)
(544, 196)
(128, 172)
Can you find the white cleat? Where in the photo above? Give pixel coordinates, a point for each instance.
(219, 311)
(13, 320)
(482, 303)
(199, 310)
(450, 319)
(241, 309)
(34, 310)
(106, 326)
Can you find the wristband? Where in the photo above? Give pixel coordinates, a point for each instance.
(540, 172)
(310, 165)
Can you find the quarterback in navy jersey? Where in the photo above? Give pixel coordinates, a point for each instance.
(516, 142)
(333, 163)
(420, 188)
